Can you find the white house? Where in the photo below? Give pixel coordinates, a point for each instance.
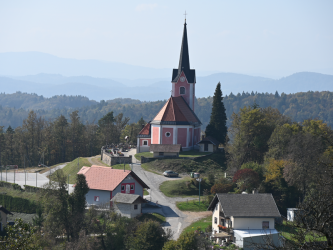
(128, 205)
(247, 218)
(105, 182)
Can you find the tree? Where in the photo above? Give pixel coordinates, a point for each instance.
(64, 212)
(149, 235)
(221, 188)
(106, 127)
(218, 118)
(20, 236)
(246, 179)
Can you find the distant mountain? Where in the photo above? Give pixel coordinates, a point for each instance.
(98, 89)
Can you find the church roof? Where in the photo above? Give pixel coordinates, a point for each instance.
(145, 132)
(176, 112)
(184, 62)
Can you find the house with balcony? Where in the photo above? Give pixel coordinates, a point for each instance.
(245, 219)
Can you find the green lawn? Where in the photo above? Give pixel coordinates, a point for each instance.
(192, 153)
(152, 216)
(145, 192)
(199, 225)
(121, 166)
(21, 194)
(193, 205)
(145, 154)
(72, 168)
(150, 168)
(288, 231)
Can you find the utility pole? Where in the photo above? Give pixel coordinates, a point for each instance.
(199, 180)
(36, 179)
(25, 176)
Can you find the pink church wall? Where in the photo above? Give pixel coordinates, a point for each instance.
(156, 135)
(165, 139)
(176, 89)
(182, 136)
(141, 141)
(191, 136)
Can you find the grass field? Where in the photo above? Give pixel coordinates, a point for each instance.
(153, 216)
(193, 205)
(145, 154)
(212, 164)
(17, 193)
(200, 224)
(121, 166)
(72, 168)
(288, 231)
(182, 187)
(145, 192)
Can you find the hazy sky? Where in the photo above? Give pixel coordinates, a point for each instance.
(259, 37)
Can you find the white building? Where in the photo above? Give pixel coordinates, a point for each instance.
(128, 205)
(246, 218)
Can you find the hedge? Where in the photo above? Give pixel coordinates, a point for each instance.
(32, 189)
(17, 204)
(10, 185)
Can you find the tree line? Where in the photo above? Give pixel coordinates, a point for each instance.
(50, 142)
(14, 108)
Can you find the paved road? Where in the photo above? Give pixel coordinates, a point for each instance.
(175, 219)
(29, 178)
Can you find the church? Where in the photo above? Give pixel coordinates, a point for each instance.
(176, 122)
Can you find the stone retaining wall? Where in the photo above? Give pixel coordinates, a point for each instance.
(114, 160)
(149, 159)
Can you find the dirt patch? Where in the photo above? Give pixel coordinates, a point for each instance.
(194, 216)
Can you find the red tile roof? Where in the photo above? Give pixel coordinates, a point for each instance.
(176, 110)
(106, 178)
(145, 130)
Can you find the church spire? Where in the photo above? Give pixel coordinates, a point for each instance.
(184, 60)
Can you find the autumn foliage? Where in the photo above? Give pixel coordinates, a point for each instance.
(221, 188)
(246, 179)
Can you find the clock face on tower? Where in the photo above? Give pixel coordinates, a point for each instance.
(182, 79)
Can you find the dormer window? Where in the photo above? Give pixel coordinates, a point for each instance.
(182, 90)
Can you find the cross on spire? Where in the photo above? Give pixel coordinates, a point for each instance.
(185, 16)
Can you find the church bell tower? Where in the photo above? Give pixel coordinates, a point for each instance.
(183, 78)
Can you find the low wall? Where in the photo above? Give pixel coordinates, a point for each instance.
(114, 160)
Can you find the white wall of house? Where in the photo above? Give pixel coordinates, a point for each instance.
(251, 223)
(103, 197)
(216, 218)
(210, 147)
(127, 210)
(138, 189)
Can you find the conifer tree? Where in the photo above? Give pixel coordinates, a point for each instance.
(217, 126)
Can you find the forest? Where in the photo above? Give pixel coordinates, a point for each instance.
(14, 108)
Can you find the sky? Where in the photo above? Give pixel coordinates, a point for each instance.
(267, 38)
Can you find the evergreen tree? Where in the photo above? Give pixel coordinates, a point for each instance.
(218, 118)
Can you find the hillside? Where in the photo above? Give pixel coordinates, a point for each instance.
(14, 108)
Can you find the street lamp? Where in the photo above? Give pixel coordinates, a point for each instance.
(199, 180)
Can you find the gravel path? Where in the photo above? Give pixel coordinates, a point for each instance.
(176, 220)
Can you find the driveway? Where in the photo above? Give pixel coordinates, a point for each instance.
(176, 220)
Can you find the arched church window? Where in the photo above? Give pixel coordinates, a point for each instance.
(182, 90)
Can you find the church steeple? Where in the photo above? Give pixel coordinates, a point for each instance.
(183, 78)
(184, 60)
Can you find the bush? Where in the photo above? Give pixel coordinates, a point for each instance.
(221, 188)
(246, 179)
(17, 204)
(10, 185)
(32, 189)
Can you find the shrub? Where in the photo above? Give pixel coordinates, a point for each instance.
(10, 185)
(17, 204)
(246, 179)
(221, 188)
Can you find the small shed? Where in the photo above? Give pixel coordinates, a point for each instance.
(3, 217)
(128, 205)
(209, 144)
(162, 150)
(292, 213)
